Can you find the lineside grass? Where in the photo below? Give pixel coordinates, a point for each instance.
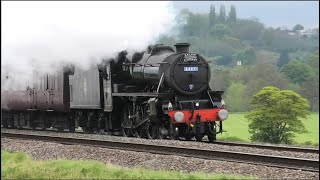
(236, 127)
(17, 165)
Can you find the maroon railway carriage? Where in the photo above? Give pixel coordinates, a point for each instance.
(42, 103)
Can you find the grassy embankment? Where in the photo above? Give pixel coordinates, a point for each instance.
(20, 166)
(237, 129)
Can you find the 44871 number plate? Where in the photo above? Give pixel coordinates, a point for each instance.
(190, 69)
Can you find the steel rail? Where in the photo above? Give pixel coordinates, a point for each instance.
(267, 160)
(270, 147)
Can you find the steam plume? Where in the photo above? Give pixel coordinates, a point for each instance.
(43, 36)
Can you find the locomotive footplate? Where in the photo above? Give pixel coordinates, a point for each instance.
(141, 94)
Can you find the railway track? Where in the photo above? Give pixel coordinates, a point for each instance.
(250, 145)
(274, 161)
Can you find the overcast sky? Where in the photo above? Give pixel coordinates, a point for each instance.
(270, 13)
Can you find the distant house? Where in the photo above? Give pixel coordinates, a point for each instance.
(306, 33)
(292, 33)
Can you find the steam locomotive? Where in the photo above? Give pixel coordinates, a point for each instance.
(156, 93)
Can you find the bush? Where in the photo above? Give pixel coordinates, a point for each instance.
(276, 114)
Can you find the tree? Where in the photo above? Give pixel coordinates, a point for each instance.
(220, 31)
(313, 62)
(248, 30)
(268, 37)
(232, 14)
(310, 90)
(212, 16)
(193, 24)
(218, 81)
(315, 35)
(246, 55)
(276, 115)
(266, 57)
(297, 28)
(235, 97)
(222, 14)
(222, 48)
(296, 71)
(258, 76)
(283, 59)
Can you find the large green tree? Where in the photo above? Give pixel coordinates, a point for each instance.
(276, 115)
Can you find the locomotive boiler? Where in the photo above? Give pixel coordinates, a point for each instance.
(157, 93)
(186, 73)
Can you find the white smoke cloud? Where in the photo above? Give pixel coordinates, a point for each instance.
(43, 35)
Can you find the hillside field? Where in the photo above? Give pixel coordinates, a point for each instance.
(236, 127)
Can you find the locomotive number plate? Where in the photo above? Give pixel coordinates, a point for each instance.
(190, 69)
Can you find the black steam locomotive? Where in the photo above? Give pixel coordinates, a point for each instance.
(157, 93)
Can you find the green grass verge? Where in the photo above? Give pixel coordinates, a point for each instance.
(17, 165)
(237, 130)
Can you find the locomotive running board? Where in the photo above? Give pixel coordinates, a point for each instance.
(141, 94)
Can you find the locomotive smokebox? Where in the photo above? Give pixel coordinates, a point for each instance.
(182, 47)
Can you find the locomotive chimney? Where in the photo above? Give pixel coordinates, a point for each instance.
(182, 47)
